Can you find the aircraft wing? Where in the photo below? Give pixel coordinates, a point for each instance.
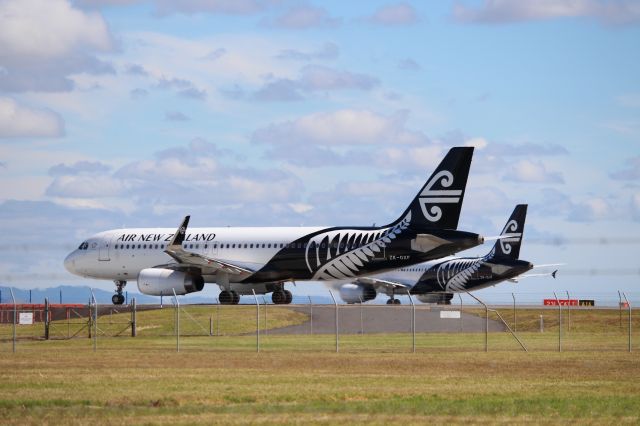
(207, 264)
(546, 274)
(387, 284)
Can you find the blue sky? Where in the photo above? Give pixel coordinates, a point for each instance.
(278, 112)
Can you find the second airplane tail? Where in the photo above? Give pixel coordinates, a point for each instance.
(439, 202)
(509, 247)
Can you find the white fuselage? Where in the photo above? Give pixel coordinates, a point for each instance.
(121, 254)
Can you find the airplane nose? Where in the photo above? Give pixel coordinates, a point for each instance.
(70, 263)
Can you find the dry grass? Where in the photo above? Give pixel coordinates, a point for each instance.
(299, 379)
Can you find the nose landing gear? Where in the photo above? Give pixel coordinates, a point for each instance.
(118, 298)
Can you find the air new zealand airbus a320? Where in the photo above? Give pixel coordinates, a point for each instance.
(240, 260)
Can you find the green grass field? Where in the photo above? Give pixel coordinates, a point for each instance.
(300, 379)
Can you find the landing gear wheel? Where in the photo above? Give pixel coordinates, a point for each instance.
(225, 298)
(391, 301)
(118, 298)
(397, 302)
(278, 297)
(288, 297)
(235, 297)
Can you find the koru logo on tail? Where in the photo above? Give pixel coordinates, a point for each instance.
(513, 237)
(429, 198)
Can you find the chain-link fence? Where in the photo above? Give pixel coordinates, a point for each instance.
(557, 325)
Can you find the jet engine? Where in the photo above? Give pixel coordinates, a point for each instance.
(356, 293)
(158, 282)
(439, 298)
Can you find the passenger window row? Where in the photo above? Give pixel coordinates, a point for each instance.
(214, 246)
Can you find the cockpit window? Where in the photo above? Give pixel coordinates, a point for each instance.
(83, 246)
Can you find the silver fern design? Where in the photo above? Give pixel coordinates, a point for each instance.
(513, 237)
(453, 275)
(430, 196)
(342, 253)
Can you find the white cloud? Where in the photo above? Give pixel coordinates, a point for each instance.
(326, 51)
(632, 172)
(409, 64)
(39, 29)
(342, 127)
(395, 14)
(595, 208)
(22, 121)
(610, 12)
(635, 206)
(42, 42)
(629, 100)
(314, 78)
(87, 186)
(532, 171)
(304, 17)
(222, 7)
(478, 143)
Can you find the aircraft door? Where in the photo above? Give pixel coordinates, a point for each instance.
(213, 249)
(103, 250)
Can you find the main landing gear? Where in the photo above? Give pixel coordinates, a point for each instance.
(229, 297)
(281, 297)
(393, 301)
(118, 298)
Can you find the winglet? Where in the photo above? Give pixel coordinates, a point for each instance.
(553, 274)
(180, 234)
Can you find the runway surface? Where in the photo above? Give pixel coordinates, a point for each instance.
(354, 319)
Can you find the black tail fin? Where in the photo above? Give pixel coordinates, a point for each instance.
(510, 247)
(439, 202)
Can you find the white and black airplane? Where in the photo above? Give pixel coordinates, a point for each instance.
(436, 281)
(240, 260)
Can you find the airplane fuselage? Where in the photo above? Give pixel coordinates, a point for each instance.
(274, 254)
(454, 274)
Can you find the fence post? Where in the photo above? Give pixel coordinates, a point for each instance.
(628, 307)
(61, 296)
(210, 325)
(413, 322)
(257, 321)
(311, 313)
(620, 308)
(515, 323)
(265, 314)
(134, 331)
(461, 324)
(46, 318)
(177, 323)
(95, 321)
(337, 333)
(559, 322)
(568, 311)
(361, 318)
(218, 318)
(15, 315)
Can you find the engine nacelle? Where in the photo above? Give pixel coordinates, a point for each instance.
(162, 282)
(439, 298)
(356, 293)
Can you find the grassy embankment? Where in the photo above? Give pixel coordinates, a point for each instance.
(298, 379)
